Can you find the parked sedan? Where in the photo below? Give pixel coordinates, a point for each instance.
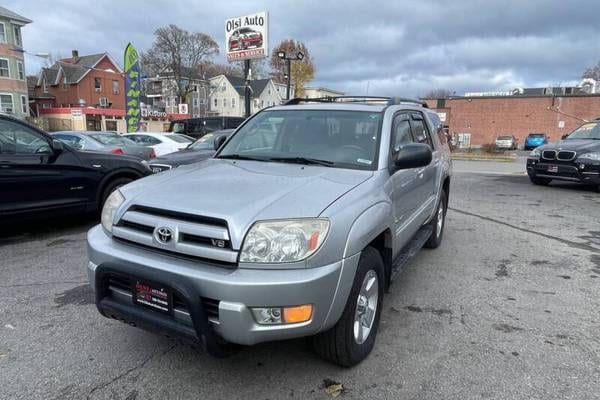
(507, 142)
(106, 142)
(534, 140)
(162, 143)
(41, 175)
(201, 149)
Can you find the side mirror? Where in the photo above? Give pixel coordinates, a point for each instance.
(563, 137)
(57, 146)
(219, 140)
(412, 155)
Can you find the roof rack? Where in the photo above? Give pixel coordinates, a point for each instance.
(357, 99)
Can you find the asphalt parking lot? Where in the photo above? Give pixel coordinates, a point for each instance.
(507, 308)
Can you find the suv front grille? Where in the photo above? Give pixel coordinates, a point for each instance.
(190, 235)
(566, 155)
(549, 154)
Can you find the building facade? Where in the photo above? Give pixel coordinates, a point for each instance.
(161, 94)
(476, 121)
(14, 99)
(226, 96)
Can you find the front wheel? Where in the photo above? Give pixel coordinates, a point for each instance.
(352, 338)
(438, 222)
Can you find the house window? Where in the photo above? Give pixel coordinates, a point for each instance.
(262, 103)
(24, 105)
(4, 71)
(65, 84)
(115, 87)
(2, 33)
(6, 104)
(98, 84)
(216, 103)
(224, 103)
(17, 31)
(20, 70)
(233, 102)
(44, 85)
(195, 102)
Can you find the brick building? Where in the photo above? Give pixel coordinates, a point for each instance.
(13, 86)
(479, 120)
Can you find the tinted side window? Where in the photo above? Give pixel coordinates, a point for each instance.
(18, 139)
(419, 129)
(401, 133)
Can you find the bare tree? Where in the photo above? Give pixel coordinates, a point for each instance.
(209, 69)
(303, 71)
(592, 72)
(178, 53)
(438, 94)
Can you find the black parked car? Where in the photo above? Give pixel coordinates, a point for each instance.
(200, 150)
(198, 127)
(575, 158)
(41, 175)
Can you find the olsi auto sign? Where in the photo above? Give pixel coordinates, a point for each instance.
(246, 37)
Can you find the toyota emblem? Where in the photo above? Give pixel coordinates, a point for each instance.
(163, 235)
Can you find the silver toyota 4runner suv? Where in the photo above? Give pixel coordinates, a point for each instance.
(295, 228)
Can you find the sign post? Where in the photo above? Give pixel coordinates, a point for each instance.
(132, 89)
(246, 38)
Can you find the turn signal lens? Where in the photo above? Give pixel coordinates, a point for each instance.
(297, 314)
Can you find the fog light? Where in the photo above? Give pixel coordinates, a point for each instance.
(267, 316)
(297, 314)
(282, 315)
(581, 166)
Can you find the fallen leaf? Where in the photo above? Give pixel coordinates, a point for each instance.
(333, 388)
(9, 326)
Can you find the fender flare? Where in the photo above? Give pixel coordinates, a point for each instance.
(367, 226)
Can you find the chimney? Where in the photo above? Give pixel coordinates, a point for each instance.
(75, 55)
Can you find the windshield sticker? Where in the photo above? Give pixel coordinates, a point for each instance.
(374, 116)
(363, 161)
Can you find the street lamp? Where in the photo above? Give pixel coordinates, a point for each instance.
(288, 60)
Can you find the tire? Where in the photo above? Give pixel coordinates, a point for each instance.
(539, 181)
(111, 187)
(340, 345)
(438, 223)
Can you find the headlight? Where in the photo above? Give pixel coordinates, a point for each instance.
(535, 153)
(283, 241)
(594, 156)
(111, 205)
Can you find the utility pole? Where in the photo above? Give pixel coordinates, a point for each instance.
(247, 88)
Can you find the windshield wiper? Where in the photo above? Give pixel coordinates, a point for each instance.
(304, 160)
(237, 156)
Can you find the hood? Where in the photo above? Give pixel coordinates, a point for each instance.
(183, 157)
(242, 192)
(578, 145)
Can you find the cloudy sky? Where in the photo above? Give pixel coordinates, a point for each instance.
(390, 47)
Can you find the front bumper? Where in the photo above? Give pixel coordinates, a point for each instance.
(231, 291)
(565, 171)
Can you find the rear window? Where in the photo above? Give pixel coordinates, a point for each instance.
(111, 139)
(536, 135)
(505, 137)
(178, 139)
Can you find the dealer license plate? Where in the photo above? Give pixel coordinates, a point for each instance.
(153, 296)
(553, 168)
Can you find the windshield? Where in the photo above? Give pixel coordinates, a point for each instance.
(586, 131)
(178, 138)
(505, 137)
(344, 139)
(536, 135)
(112, 139)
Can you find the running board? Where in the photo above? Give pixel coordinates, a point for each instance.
(409, 251)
